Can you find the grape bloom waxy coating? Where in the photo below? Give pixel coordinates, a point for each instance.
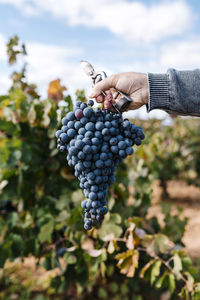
(96, 141)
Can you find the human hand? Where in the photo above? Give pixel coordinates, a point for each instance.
(134, 85)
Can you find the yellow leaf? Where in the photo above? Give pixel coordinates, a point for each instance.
(102, 269)
(130, 241)
(128, 262)
(145, 268)
(55, 90)
(111, 247)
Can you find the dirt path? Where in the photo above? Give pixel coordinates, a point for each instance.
(188, 197)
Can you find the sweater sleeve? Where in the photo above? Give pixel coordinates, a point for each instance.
(175, 92)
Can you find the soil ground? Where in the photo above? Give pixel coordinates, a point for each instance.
(187, 197)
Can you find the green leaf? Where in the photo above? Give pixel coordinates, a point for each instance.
(172, 283)
(155, 271)
(162, 243)
(177, 266)
(109, 231)
(46, 231)
(124, 289)
(145, 268)
(68, 99)
(113, 287)
(102, 293)
(190, 281)
(160, 281)
(70, 258)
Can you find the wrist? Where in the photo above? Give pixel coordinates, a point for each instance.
(158, 91)
(145, 90)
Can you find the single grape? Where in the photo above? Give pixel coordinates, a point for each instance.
(79, 144)
(84, 120)
(64, 137)
(92, 196)
(87, 164)
(90, 126)
(129, 150)
(70, 116)
(94, 188)
(121, 145)
(105, 131)
(70, 124)
(99, 125)
(77, 125)
(103, 156)
(98, 179)
(78, 103)
(113, 141)
(88, 111)
(82, 131)
(114, 149)
(113, 131)
(138, 141)
(64, 128)
(89, 134)
(83, 204)
(58, 133)
(83, 106)
(91, 175)
(65, 121)
(98, 134)
(79, 113)
(122, 153)
(90, 102)
(89, 204)
(71, 133)
(87, 141)
(87, 149)
(62, 148)
(99, 164)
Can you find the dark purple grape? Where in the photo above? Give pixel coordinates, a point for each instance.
(90, 102)
(79, 113)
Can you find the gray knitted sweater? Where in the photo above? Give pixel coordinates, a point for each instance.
(176, 92)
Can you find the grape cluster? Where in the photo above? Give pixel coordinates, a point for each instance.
(96, 141)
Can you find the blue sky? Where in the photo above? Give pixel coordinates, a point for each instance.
(115, 35)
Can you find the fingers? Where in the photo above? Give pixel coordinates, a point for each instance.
(107, 100)
(103, 85)
(99, 98)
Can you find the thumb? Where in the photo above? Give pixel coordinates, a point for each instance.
(103, 86)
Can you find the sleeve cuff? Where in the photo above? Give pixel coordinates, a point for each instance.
(158, 92)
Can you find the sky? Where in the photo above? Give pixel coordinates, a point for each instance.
(114, 35)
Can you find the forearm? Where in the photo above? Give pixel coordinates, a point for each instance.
(175, 92)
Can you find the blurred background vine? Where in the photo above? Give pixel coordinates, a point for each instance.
(44, 251)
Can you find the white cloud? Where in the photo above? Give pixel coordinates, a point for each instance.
(49, 62)
(2, 47)
(4, 83)
(133, 21)
(181, 55)
(46, 62)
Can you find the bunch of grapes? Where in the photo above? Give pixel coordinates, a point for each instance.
(96, 141)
